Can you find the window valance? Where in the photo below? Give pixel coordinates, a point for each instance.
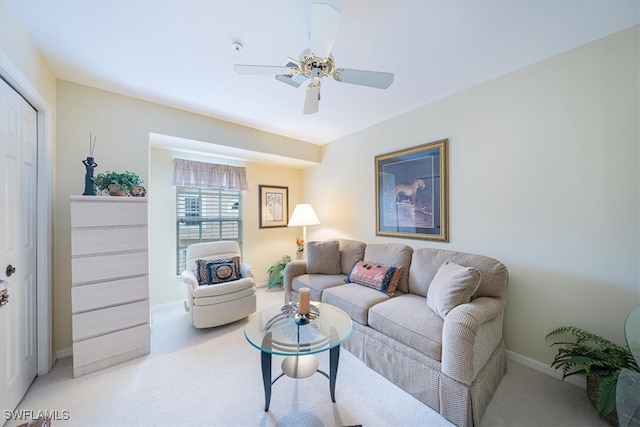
(191, 173)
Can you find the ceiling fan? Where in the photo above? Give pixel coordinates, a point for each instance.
(317, 62)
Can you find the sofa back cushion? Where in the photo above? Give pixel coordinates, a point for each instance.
(425, 263)
(350, 252)
(323, 258)
(392, 255)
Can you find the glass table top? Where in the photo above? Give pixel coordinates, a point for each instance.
(632, 333)
(628, 386)
(273, 332)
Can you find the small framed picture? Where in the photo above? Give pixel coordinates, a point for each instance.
(274, 206)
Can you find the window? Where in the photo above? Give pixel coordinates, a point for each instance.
(192, 208)
(204, 215)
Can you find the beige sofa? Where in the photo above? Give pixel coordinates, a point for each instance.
(452, 363)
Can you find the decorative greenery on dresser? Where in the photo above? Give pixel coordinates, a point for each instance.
(125, 181)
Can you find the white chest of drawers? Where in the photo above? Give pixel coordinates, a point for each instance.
(110, 281)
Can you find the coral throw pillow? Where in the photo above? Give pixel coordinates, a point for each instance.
(375, 276)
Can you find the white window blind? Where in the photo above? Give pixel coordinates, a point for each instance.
(205, 215)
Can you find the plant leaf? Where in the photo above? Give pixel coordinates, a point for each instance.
(606, 395)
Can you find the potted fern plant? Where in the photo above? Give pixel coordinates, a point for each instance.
(599, 360)
(276, 272)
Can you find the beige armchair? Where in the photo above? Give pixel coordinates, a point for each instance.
(230, 297)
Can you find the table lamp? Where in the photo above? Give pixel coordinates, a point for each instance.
(303, 215)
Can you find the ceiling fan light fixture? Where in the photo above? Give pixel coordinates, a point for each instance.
(310, 64)
(317, 62)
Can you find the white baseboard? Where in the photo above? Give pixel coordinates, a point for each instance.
(65, 352)
(578, 381)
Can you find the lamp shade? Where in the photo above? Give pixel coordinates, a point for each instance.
(303, 215)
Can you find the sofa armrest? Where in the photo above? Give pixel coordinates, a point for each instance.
(291, 270)
(470, 334)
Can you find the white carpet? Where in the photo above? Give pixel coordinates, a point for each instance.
(212, 377)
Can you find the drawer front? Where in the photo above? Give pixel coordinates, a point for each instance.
(86, 241)
(107, 320)
(108, 267)
(106, 294)
(110, 346)
(108, 212)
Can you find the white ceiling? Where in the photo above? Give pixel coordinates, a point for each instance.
(179, 53)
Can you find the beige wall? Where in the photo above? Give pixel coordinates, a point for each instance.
(261, 247)
(16, 47)
(122, 126)
(543, 175)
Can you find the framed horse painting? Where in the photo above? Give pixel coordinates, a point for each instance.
(411, 193)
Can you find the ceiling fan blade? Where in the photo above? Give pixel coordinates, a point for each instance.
(375, 79)
(263, 69)
(325, 21)
(312, 98)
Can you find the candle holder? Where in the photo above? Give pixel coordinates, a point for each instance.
(301, 319)
(292, 309)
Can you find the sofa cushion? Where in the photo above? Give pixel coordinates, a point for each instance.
(427, 261)
(452, 285)
(317, 283)
(323, 258)
(354, 299)
(407, 320)
(375, 276)
(350, 252)
(395, 254)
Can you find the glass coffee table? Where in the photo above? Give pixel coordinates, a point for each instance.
(281, 331)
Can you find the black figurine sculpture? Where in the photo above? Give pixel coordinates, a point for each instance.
(89, 165)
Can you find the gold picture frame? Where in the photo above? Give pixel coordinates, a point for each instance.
(274, 206)
(412, 192)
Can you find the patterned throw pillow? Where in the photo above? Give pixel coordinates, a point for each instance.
(222, 270)
(375, 276)
(202, 269)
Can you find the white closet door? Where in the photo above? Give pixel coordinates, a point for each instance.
(18, 166)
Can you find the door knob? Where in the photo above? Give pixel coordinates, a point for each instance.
(10, 270)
